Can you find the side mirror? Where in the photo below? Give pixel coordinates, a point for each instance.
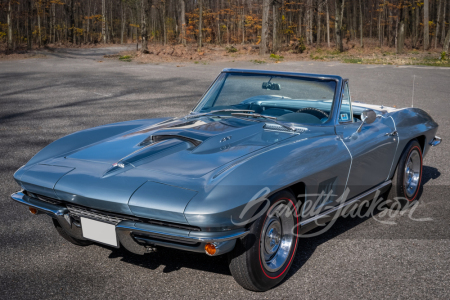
(368, 116)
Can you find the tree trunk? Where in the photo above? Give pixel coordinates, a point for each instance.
(164, 22)
(39, 25)
(416, 26)
(371, 22)
(426, 28)
(144, 48)
(361, 24)
(72, 23)
(447, 42)
(275, 27)
(103, 21)
(339, 5)
(319, 11)
(9, 22)
(122, 27)
(401, 29)
(310, 22)
(354, 19)
(380, 35)
(443, 23)
(265, 26)
(54, 22)
(183, 22)
(29, 24)
(328, 26)
(300, 23)
(200, 21)
(436, 34)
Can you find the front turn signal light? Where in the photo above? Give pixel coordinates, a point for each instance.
(210, 249)
(33, 210)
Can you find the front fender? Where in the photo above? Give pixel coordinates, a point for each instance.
(224, 202)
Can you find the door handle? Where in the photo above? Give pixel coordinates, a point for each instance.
(393, 133)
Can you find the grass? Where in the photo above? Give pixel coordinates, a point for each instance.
(352, 60)
(126, 58)
(257, 61)
(276, 57)
(395, 60)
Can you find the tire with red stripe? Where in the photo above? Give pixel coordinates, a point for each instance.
(262, 258)
(407, 178)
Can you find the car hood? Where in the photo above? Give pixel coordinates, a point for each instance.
(190, 147)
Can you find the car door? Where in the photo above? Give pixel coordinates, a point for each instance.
(372, 149)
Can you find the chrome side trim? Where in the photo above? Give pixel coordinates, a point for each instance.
(396, 147)
(435, 141)
(349, 202)
(351, 161)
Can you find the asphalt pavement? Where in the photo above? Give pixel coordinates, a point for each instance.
(44, 99)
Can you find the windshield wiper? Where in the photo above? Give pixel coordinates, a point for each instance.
(273, 119)
(216, 111)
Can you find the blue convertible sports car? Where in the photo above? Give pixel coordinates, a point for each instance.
(261, 158)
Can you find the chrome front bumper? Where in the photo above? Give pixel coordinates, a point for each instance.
(139, 237)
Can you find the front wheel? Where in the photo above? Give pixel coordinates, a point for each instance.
(407, 178)
(263, 258)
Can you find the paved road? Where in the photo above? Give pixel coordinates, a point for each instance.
(44, 99)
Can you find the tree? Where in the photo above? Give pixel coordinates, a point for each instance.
(183, 22)
(265, 26)
(103, 21)
(29, 27)
(144, 34)
(401, 29)
(436, 34)
(426, 27)
(361, 24)
(275, 27)
(9, 22)
(200, 21)
(447, 42)
(328, 26)
(339, 5)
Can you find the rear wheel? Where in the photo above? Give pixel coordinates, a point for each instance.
(68, 237)
(263, 258)
(407, 178)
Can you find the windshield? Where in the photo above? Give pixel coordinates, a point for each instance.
(286, 98)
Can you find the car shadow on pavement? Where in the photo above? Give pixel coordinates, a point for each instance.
(174, 260)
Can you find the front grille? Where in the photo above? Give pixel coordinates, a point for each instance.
(82, 212)
(43, 198)
(113, 218)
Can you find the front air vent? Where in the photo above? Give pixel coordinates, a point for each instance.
(158, 138)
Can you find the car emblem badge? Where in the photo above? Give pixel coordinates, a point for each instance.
(227, 138)
(120, 165)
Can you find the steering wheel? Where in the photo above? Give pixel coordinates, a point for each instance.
(318, 113)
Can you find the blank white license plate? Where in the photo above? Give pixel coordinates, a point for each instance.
(99, 231)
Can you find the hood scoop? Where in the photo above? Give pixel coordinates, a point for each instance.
(161, 137)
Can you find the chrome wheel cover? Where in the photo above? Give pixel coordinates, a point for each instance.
(411, 178)
(277, 237)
